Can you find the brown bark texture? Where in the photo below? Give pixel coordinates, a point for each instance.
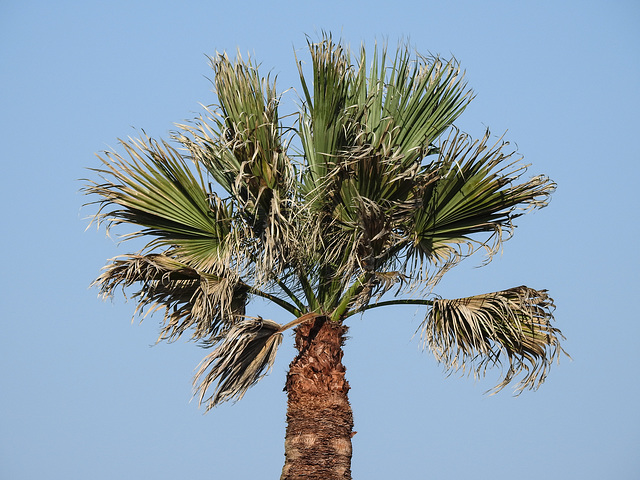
(319, 416)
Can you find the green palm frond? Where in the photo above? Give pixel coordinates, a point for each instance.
(244, 355)
(155, 189)
(476, 192)
(191, 299)
(324, 131)
(476, 332)
(240, 142)
(406, 105)
(249, 109)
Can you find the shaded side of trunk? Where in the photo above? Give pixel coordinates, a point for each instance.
(319, 416)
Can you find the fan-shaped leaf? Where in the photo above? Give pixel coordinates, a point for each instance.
(475, 192)
(155, 189)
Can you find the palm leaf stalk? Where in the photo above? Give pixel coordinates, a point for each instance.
(365, 201)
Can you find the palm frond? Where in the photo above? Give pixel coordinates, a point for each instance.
(515, 325)
(404, 106)
(249, 110)
(191, 299)
(244, 355)
(155, 189)
(476, 192)
(324, 131)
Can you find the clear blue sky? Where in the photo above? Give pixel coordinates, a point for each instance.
(83, 395)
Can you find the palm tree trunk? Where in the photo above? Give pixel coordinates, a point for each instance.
(319, 416)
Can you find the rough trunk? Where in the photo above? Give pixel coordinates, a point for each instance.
(319, 417)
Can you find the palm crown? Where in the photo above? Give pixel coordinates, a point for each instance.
(371, 189)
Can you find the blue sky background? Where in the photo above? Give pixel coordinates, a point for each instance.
(84, 395)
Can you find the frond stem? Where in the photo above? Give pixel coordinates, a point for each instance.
(353, 290)
(277, 300)
(407, 301)
(301, 306)
(298, 321)
(308, 292)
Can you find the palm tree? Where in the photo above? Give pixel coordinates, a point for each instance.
(371, 192)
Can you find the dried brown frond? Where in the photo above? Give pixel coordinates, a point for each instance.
(473, 333)
(190, 299)
(245, 354)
